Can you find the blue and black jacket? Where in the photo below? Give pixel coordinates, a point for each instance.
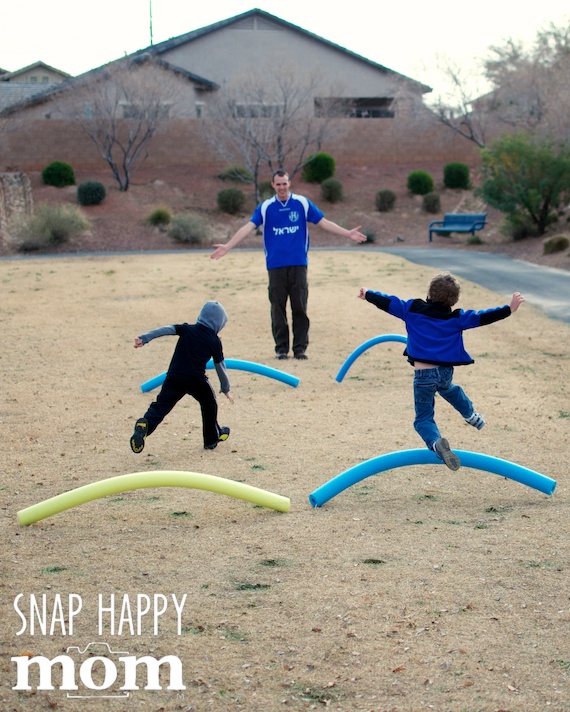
(435, 331)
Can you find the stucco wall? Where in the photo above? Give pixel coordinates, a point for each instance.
(355, 141)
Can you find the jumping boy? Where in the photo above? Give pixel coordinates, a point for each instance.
(434, 347)
(186, 375)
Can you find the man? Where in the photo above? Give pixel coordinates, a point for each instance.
(285, 219)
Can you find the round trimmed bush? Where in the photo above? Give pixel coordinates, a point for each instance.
(385, 200)
(331, 190)
(231, 200)
(91, 192)
(456, 175)
(58, 174)
(318, 168)
(420, 183)
(159, 217)
(431, 203)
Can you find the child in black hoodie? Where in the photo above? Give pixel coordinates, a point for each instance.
(186, 375)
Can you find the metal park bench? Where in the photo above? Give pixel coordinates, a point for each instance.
(458, 222)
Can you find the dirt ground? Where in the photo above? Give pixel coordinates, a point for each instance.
(417, 588)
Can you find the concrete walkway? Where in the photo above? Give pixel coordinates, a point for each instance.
(543, 287)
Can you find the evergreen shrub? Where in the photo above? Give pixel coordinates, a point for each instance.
(159, 217)
(231, 200)
(318, 168)
(431, 203)
(331, 190)
(385, 200)
(58, 174)
(456, 175)
(90, 192)
(420, 183)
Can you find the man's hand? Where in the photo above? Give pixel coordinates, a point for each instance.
(356, 235)
(138, 342)
(220, 251)
(362, 293)
(229, 396)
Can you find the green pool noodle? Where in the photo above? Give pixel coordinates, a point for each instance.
(144, 480)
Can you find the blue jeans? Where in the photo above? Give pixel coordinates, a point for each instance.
(428, 382)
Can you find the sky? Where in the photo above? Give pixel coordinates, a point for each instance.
(413, 38)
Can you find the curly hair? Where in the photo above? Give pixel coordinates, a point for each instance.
(444, 289)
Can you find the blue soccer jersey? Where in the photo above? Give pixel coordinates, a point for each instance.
(285, 229)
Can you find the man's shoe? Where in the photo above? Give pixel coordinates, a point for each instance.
(281, 355)
(442, 450)
(300, 355)
(224, 435)
(139, 436)
(476, 420)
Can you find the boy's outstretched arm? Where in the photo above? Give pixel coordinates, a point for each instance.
(516, 301)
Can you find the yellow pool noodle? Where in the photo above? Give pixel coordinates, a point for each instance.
(143, 480)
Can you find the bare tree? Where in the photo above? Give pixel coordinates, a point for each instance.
(270, 123)
(122, 109)
(457, 108)
(532, 86)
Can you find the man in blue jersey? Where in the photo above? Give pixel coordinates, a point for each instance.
(434, 347)
(285, 219)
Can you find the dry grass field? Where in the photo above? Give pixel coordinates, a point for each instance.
(416, 589)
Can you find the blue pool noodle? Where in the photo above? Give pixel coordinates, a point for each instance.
(237, 364)
(422, 456)
(363, 347)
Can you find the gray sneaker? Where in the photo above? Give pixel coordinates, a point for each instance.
(443, 451)
(476, 420)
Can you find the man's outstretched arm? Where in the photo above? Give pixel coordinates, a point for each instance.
(335, 229)
(241, 234)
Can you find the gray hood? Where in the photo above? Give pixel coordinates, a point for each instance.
(213, 315)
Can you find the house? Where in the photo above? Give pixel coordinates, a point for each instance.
(256, 42)
(36, 78)
(252, 49)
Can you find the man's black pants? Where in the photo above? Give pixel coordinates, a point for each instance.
(289, 283)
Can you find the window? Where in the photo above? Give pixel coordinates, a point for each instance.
(355, 108)
(132, 111)
(256, 111)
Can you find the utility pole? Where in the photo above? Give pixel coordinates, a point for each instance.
(150, 15)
